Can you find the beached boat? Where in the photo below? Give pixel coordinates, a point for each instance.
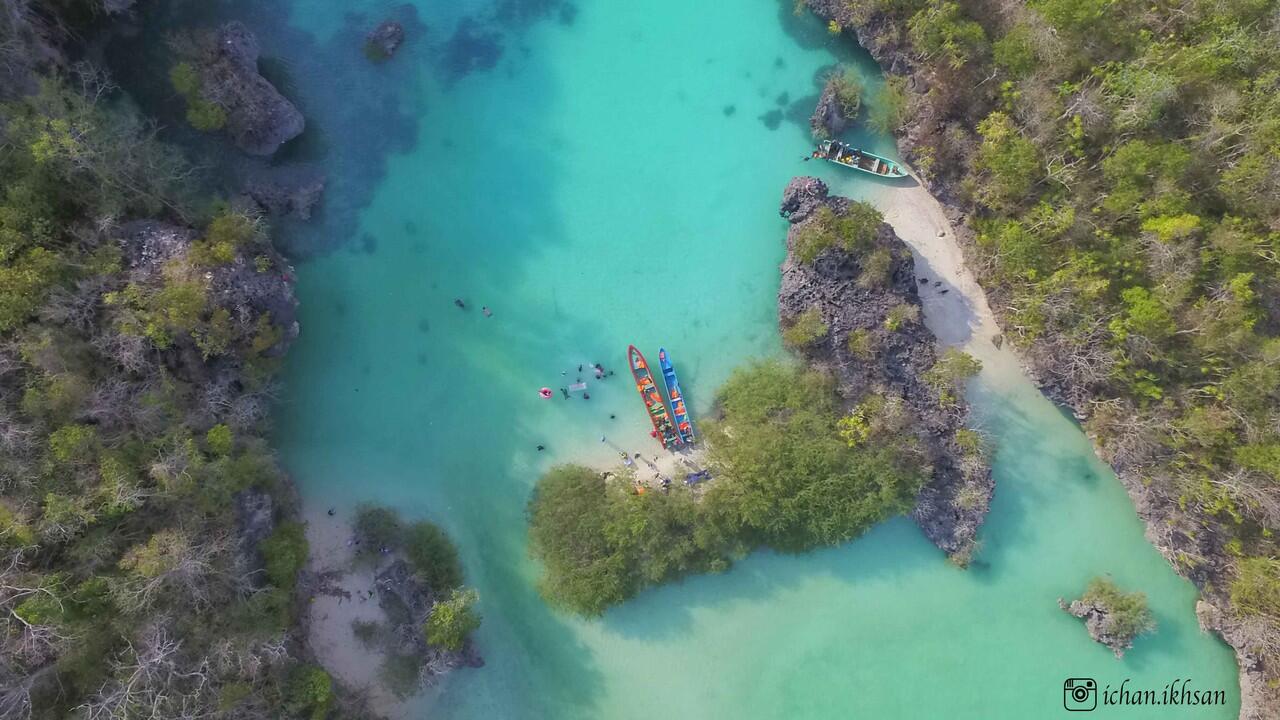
(851, 157)
(684, 424)
(663, 429)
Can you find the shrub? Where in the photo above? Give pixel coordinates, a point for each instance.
(901, 314)
(1255, 590)
(185, 79)
(847, 87)
(877, 268)
(861, 343)
(206, 116)
(1128, 613)
(854, 230)
(309, 692)
(950, 372)
(377, 528)
(219, 440)
(285, 553)
(890, 108)
(805, 329)
(433, 556)
(452, 621)
(941, 30)
(74, 444)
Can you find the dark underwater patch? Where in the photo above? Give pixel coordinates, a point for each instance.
(772, 119)
(472, 48)
(729, 110)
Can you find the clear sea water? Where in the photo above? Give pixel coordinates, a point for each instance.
(612, 177)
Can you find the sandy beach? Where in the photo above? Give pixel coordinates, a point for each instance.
(353, 597)
(961, 314)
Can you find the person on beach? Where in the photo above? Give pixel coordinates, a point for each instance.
(459, 303)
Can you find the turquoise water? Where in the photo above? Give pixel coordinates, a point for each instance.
(615, 179)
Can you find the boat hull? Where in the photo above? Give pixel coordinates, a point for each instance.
(679, 410)
(855, 159)
(663, 429)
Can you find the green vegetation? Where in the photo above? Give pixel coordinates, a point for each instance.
(786, 478)
(948, 375)
(900, 315)
(1256, 587)
(126, 441)
(203, 115)
(854, 231)
(1121, 168)
(890, 107)
(1127, 613)
(451, 621)
(847, 86)
(862, 343)
(285, 553)
(433, 556)
(805, 329)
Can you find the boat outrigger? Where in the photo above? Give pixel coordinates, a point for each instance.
(684, 425)
(663, 430)
(851, 157)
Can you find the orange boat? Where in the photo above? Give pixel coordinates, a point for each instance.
(663, 429)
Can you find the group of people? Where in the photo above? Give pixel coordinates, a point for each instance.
(600, 373)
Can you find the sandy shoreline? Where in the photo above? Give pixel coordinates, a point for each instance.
(330, 614)
(962, 314)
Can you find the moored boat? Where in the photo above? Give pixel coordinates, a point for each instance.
(851, 157)
(663, 429)
(684, 424)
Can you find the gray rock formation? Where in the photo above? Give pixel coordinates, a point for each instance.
(407, 603)
(385, 40)
(238, 286)
(829, 119)
(286, 190)
(1100, 622)
(259, 118)
(954, 502)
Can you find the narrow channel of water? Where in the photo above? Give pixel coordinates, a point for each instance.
(612, 178)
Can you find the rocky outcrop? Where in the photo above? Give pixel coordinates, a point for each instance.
(946, 126)
(259, 118)
(406, 602)
(1242, 634)
(1100, 622)
(256, 283)
(829, 119)
(954, 502)
(384, 41)
(286, 190)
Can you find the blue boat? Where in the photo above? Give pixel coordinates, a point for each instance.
(684, 425)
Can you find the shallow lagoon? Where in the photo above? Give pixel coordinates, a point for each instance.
(613, 177)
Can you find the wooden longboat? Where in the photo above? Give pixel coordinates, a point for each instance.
(684, 424)
(861, 160)
(663, 429)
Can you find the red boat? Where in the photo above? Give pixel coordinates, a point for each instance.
(663, 429)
